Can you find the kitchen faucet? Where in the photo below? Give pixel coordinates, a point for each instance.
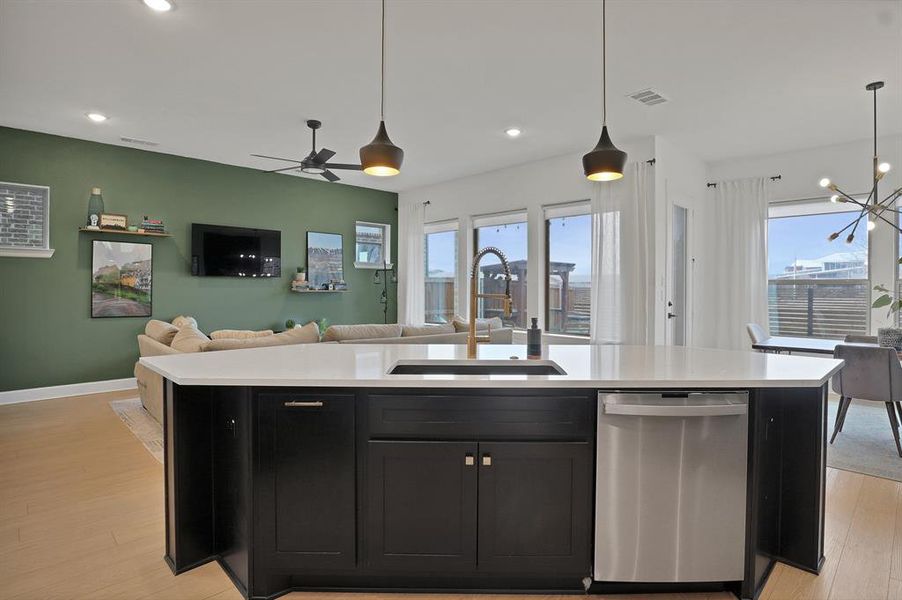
(472, 338)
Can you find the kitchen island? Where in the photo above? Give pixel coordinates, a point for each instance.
(313, 467)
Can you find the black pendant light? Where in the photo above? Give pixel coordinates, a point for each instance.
(604, 162)
(381, 157)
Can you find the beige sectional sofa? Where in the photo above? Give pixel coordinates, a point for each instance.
(182, 336)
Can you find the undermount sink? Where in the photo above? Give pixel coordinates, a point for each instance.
(476, 367)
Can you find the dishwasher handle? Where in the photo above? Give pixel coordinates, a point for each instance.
(620, 406)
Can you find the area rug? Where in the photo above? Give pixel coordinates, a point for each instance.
(865, 444)
(141, 424)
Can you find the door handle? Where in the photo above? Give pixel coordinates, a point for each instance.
(305, 403)
(469, 460)
(670, 315)
(486, 460)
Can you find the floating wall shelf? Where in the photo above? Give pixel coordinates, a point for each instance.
(319, 291)
(124, 232)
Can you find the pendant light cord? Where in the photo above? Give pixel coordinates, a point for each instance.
(382, 82)
(604, 60)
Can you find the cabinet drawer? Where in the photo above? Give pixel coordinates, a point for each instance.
(474, 415)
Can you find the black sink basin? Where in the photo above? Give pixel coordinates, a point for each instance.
(449, 367)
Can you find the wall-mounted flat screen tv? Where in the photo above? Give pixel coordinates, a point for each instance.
(221, 251)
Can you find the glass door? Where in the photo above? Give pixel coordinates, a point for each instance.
(678, 276)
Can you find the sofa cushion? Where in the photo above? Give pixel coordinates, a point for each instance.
(181, 321)
(426, 329)
(341, 333)
(147, 346)
(160, 331)
(308, 334)
(239, 334)
(189, 339)
(481, 324)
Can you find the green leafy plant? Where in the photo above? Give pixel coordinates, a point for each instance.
(290, 324)
(323, 324)
(888, 298)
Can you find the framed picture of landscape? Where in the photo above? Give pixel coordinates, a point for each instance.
(121, 279)
(324, 259)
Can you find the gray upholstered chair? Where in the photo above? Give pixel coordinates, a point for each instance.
(854, 338)
(756, 333)
(870, 373)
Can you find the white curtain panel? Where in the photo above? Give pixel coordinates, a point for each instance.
(737, 273)
(623, 258)
(411, 284)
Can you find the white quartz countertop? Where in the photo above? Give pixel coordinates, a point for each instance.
(610, 367)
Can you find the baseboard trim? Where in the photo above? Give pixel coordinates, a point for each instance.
(61, 391)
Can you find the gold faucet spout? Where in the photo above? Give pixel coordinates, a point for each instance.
(472, 338)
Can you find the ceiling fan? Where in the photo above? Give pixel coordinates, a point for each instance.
(315, 163)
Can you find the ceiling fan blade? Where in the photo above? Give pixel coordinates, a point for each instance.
(344, 166)
(293, 168)
(277, 158)
(330, 176)
(323, 155)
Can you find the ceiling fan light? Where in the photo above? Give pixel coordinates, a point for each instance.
(604, 162)
(312, 170)
(381, 157)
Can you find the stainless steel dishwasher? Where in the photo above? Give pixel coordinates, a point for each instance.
(671, 486)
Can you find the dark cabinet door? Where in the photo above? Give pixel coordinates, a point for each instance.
(534, 507)
(422, 505)
(306, 480)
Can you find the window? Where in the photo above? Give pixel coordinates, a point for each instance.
(372, 248)
(568, 269)
(441, 272)
(508, 234)
(816, 288)
(25, 220)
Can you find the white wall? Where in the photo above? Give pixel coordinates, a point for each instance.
(529, 186)
(680, 178)
(849, 166)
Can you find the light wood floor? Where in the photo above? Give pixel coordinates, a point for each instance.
(81, 516)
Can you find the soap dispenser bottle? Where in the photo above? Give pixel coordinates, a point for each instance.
(534, 340)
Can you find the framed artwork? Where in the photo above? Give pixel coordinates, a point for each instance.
(325, 262)
(121, 279)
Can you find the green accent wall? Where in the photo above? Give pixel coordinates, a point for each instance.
(48, 335)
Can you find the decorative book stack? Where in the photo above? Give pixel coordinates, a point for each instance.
(149, 225)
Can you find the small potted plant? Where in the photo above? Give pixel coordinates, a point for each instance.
(890, 337)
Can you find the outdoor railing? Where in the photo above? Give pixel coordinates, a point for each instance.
(820, 308)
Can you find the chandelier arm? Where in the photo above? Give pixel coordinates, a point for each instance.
(891, 223)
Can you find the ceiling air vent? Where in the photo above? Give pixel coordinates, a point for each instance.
(648, 97)
(139, 142)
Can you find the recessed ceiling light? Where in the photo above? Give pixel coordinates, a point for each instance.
(158, 5)
(512, 132)
(96, 117)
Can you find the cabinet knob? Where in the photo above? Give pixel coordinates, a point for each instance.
(308, 404)
(469, 460)
(486, 460)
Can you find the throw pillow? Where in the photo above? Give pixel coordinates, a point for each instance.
(181, 321)
(160, 331)
(189, 339)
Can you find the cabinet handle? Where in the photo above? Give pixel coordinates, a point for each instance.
(308, 404)
(486, 460)
(469, 460)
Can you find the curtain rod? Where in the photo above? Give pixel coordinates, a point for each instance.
(773, 178)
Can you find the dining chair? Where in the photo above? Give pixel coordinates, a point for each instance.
(870, 373)
(756, 333)
(854, 338)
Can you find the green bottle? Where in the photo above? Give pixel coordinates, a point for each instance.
(95, 207)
